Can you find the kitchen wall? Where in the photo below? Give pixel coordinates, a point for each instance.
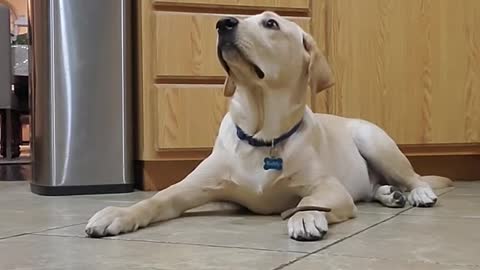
(18, 8)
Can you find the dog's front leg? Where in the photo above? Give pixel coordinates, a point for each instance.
(206, 183)
(313, 225)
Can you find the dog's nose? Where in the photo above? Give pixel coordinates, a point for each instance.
(226, 24)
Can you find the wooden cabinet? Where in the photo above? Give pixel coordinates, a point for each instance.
(181, 81)
(187, 116)
(189, 104)
(246, 3)
(186, 45)
(410, 66)
(180, 97)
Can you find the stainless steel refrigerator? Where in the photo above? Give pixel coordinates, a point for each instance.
(81, 86)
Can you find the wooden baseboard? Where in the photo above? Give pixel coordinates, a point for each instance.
(446, 149)
(456, 161)
(466, 168)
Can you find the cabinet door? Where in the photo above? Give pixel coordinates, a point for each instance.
(188, 98)
(185, 45)
(187, 116)
(410, 66)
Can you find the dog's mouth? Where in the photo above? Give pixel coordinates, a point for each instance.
(258, 71)
(230, 46)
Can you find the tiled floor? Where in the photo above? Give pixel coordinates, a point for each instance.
(47, 233)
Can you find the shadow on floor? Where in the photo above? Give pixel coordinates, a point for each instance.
(16, 172)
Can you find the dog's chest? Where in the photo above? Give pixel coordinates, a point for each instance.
(258, 180)
(263, 191)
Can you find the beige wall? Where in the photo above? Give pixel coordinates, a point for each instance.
(18, 8)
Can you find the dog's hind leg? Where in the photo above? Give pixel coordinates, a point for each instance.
(383, 154)
(390, 196)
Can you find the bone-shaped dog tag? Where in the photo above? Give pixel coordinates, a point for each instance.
(272, 163)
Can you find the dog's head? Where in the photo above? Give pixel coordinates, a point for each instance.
(269, 51)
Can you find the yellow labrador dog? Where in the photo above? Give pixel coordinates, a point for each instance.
(273, 153)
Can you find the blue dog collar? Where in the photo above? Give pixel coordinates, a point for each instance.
(261, 143)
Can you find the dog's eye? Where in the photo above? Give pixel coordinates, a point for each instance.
(271, 24)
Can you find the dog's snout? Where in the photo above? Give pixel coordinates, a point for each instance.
(226, 24)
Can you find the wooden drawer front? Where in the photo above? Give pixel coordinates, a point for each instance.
(187, 116)
(185, 44)
(303, 4)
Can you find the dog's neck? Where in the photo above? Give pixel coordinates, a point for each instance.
(267, 114)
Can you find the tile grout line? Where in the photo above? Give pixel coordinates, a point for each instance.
(167, 242)
(13, 236)
(38, 232)
(282, 266)
(59, 227)
(393, 260)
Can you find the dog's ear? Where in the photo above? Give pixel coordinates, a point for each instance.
(229, 87)
(319, 71)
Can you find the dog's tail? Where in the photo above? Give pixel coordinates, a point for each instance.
(437, 182)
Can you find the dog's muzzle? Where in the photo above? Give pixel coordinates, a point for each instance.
(226, 26)
(227, 29)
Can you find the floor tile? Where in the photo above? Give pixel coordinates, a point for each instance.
(473, 190)
(131, 197)
(245, 231)
(460, 202)
(36, 252)
(329, 262)
(7, 188)
(443, 191)
(24, 212)
(60, 206)
(418, 238)
(451, 206)
(20, 223)
(377, 208)
(467, 184)
(443, 237)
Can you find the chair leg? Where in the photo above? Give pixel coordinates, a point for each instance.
(16, 134)
(8, 131)
(3, 134)
(10, 136)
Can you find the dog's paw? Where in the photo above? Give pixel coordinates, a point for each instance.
(390, 196)
(307, 226)
(111, 221)
(422, 197)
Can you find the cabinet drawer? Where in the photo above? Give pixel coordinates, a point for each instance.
(252, 3)
(187, 116)
(185, 44)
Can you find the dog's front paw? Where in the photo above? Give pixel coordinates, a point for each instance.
(111, 221)
(422, 197)
(307, 226)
